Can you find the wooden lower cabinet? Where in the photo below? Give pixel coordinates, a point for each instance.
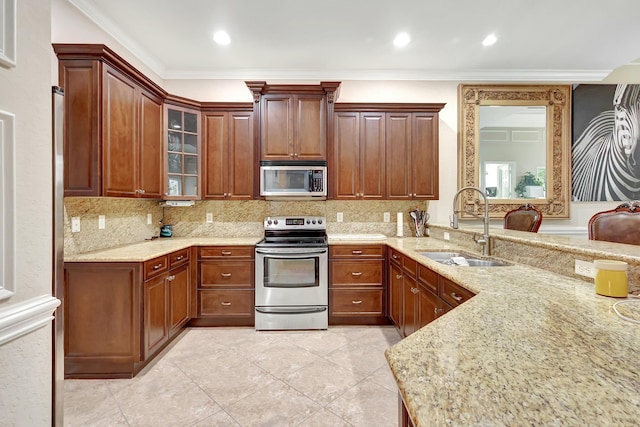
(225, 289)
(417, 294)
(356, 285)
(118, 316)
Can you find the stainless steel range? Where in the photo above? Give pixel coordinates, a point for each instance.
(292, 269)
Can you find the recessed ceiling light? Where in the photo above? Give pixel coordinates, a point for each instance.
(222, 38)
(402, 39)
(489, 40)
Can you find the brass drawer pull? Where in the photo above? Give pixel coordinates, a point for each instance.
(171, 278)
(356, 273)
(394, 256)
(356, 252)
(398, 276)
(225, 274)
(356, 302)
(456, 296)
(226, 252)
(157, 266)
(414, 290)
(225, 303)
(179, 258)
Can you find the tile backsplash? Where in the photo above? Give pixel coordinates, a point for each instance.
(126, 219)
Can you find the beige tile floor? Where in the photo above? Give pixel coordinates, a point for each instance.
(240, 377)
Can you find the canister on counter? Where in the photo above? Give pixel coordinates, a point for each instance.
(611, 278)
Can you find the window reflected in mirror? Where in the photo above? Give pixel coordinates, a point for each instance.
(513, 149)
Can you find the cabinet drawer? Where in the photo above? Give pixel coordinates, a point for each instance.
(453, 293)
(408, 265)
(226, 252)
(356, 251)
(395, 256)
(349, 273)
(156, 266)
(225, 303)
(222, 274)
(178, 257)
(428, 278)
(345, 302)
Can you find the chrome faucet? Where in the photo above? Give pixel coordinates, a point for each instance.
(484, 240)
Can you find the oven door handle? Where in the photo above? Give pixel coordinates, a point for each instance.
(291, 310)
(291, 251)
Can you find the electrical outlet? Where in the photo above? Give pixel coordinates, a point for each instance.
(149, 219)
(446, 235)
(209, 217)
(585, 268)
(75, 224)
(101, 222)
(339, 217)
(387, 217)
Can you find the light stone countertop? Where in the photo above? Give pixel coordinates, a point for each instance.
(531, 348)
(140, 252)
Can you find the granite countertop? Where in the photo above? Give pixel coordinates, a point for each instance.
(531, 348)
(143, 251)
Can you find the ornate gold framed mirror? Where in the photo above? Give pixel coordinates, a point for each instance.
(514, 143)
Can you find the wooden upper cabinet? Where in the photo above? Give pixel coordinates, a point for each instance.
(293, 119)
(119, 140)
(182, 127)
(228, 159)
(80, 80)
(359, 157)
(112, 125)
(398, 152)
(412, 156)
(293, 127)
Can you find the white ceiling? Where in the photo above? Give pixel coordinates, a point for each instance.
(538, 40)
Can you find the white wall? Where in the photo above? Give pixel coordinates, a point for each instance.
(25, 363)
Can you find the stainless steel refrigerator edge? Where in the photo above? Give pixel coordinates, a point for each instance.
(58, 256)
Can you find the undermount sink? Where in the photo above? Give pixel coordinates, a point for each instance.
(462, 259)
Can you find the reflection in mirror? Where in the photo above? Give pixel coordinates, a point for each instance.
(514, 142)
(513, 147)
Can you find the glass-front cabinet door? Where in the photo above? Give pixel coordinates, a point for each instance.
(183, 153)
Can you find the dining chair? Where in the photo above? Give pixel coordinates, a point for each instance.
(525, 218)
(619, 225)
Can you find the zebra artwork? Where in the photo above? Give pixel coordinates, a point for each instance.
(605, 154)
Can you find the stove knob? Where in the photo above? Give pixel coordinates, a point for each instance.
(313, 222)
(269, 222)
(319, 221)
(308, 222)
(275, 222)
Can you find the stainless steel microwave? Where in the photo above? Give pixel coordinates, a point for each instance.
(289, 180)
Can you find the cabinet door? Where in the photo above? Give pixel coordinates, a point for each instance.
(216, 155)
(276, 127)
(372, 156)
(156, 330)
(410, 306)
(82, 169)
(395, 294)
(241, 162)
(310, 127)
(150, 146)
(182, 126)
(429, 306)
(346, 156)
(424, 156)
(119, 139)
(178, 282)
(398, 155)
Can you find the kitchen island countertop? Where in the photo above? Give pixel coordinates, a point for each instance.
(531, 348)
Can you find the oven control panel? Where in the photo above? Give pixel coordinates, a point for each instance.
(295, 223)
